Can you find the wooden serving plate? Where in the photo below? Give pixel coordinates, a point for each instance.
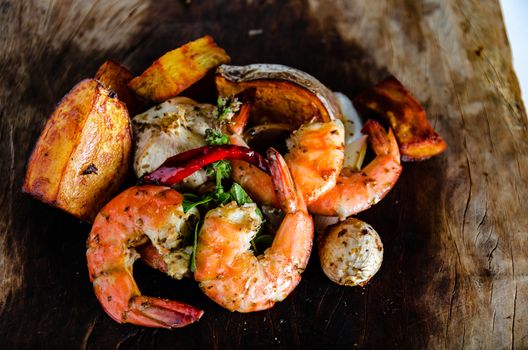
(455, 228)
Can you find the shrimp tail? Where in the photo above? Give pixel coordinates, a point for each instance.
(382, 142)
(239, 121)
(289, 197)
(154, 312)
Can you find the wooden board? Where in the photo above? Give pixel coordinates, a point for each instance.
(455, 228)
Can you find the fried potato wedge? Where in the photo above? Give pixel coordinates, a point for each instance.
(283, 94)
(84, 152)
(178, 69)
(394, 103)
(115, 77)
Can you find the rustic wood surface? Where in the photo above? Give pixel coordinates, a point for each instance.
(454, 228)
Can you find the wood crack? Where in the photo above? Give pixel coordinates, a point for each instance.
(296, 327)
(126, 338)
(468, 197)
(513, 319)
(490, 255)
(493, 322)
(365, 327)
(89, 332)
(322, 299)
(334, 309)
(484, 217)
(514, 298)
(451, 301)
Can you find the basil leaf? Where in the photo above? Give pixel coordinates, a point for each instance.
(190, 200)
(259, 213)
(239, 195)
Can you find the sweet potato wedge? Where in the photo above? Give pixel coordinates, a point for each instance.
(178, 69)
(115, 77)
(282, 94)
(84, 152)
(395, 104)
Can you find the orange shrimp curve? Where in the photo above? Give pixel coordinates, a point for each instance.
(356, 191)
(230, 274)
(127, 221)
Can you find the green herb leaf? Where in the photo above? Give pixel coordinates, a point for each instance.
(195, 242)
(259, 213)
(239, 195)
(221, 197)
(222, 168)
(215, 137)
(191, 200)
(221, 102)
(226, 108)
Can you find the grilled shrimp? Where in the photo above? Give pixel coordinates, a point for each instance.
(315, 157)
(228, 271)
(256, 182)
(356, 191)
(134, 217)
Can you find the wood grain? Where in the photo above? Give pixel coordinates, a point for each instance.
(455, 228)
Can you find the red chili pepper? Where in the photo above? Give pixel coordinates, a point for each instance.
(178, 167)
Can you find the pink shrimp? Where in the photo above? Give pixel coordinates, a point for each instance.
(356, 191)
(230, 274)
(126, 222)
(315, 157)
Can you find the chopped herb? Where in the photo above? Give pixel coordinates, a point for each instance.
(226, 108)
(221, 168)
(91, 169)
(215, 137)
(191, 200)
(221, 197)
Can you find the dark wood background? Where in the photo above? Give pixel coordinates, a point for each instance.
(454, 228)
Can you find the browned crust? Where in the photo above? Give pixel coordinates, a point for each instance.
(278, 100)
(83, 154)
(116, 77)
(390, 100)
(178, 69)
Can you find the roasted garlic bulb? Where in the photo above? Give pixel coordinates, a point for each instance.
(350, 252)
